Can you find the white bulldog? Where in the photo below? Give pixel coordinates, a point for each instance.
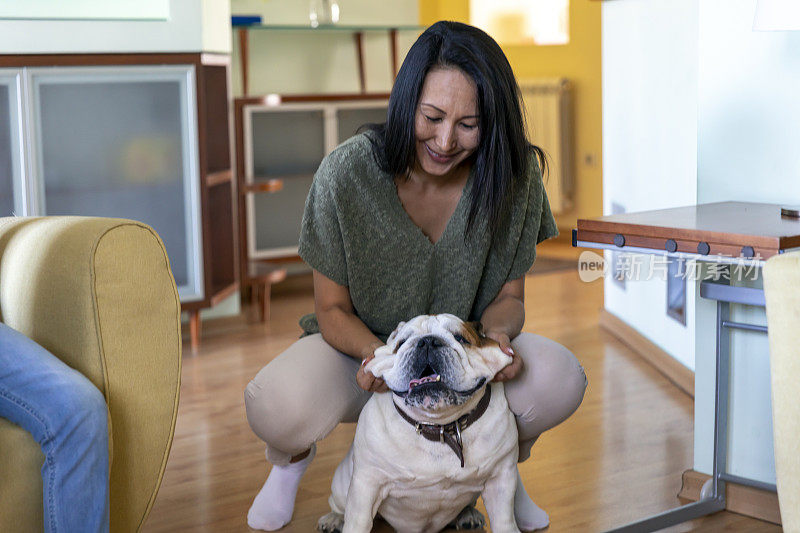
(443, 437)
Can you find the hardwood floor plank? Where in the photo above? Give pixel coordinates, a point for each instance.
(618, 459)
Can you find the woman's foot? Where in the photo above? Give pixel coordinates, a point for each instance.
(528, 515)
(272, 509)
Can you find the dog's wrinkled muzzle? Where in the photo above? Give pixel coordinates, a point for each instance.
(429, 361)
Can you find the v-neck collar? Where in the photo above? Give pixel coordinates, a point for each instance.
(412, 228)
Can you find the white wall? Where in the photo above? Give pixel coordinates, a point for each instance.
(650, 142)
(216, 26)
(747, 151)
(192, 26)
(749, 107)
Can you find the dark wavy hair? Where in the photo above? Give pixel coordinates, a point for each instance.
(503, 157)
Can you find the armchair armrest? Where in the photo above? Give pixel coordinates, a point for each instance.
(782, 293)
(99, 294)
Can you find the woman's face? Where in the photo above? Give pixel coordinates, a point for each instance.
(446, 121)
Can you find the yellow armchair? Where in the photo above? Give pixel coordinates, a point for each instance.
(782, 292)
(98, 293)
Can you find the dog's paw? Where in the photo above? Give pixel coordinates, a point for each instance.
(331, 523)
(469, 518)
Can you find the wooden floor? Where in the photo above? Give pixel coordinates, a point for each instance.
(619, 458)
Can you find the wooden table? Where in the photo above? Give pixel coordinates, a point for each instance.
(725, 229)
(725, 232)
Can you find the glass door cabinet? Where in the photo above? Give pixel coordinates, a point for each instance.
(118, 142)
(144, 137)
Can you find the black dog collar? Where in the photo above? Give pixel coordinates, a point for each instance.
(450, 434)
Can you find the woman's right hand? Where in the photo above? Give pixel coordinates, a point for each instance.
(342, 329)
(367, 380)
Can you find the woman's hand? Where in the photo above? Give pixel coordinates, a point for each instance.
(510, 371)
(367, 380)
(504, 317)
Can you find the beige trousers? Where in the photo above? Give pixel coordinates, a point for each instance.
(305, 392)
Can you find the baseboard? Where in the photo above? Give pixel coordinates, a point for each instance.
(740, 499)
(673, 370)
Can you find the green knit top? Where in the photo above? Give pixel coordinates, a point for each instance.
(356, 232)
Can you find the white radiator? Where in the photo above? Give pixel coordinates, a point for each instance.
(548, 115)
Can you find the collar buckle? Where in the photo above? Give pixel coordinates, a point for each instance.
(449, 434)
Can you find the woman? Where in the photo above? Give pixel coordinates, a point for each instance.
(437, 210)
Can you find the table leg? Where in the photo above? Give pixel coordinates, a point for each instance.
(393, 52)
(265, 296)
(362, 80)
(682, 514)
(194, 329)
(721, 401)
(244, 60)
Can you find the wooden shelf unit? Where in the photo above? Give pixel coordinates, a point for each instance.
(242, 32)
(274, 183)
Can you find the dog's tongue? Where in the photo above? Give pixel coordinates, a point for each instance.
(427, 379)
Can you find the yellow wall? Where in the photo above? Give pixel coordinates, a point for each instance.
(578, 61)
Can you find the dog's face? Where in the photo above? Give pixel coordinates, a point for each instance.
(437, 361)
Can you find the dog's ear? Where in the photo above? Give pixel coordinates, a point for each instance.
(477, 327)
(382, 362)
(393, 335)
(384, 356)
(493, 357)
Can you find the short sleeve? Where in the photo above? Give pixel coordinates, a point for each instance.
(321, 244)
(538, 225)
(547, 223)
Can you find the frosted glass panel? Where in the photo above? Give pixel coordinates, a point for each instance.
(115, 149)
(352, 119)
(278, 215)
(6, 165)
(287, 142)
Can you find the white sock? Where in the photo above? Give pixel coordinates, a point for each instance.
(273, 507)
(528, 515)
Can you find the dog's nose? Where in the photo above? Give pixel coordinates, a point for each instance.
(430, 341)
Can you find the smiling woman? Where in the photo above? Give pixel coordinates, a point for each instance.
(456, 106)
(437, 210)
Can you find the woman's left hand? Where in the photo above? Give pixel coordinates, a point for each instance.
(515, 367)
(367, 380)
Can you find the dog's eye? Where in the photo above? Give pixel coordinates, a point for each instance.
(461, 339)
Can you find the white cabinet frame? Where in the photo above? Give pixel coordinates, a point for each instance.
(14, 79)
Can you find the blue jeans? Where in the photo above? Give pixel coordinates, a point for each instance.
(67, 416)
